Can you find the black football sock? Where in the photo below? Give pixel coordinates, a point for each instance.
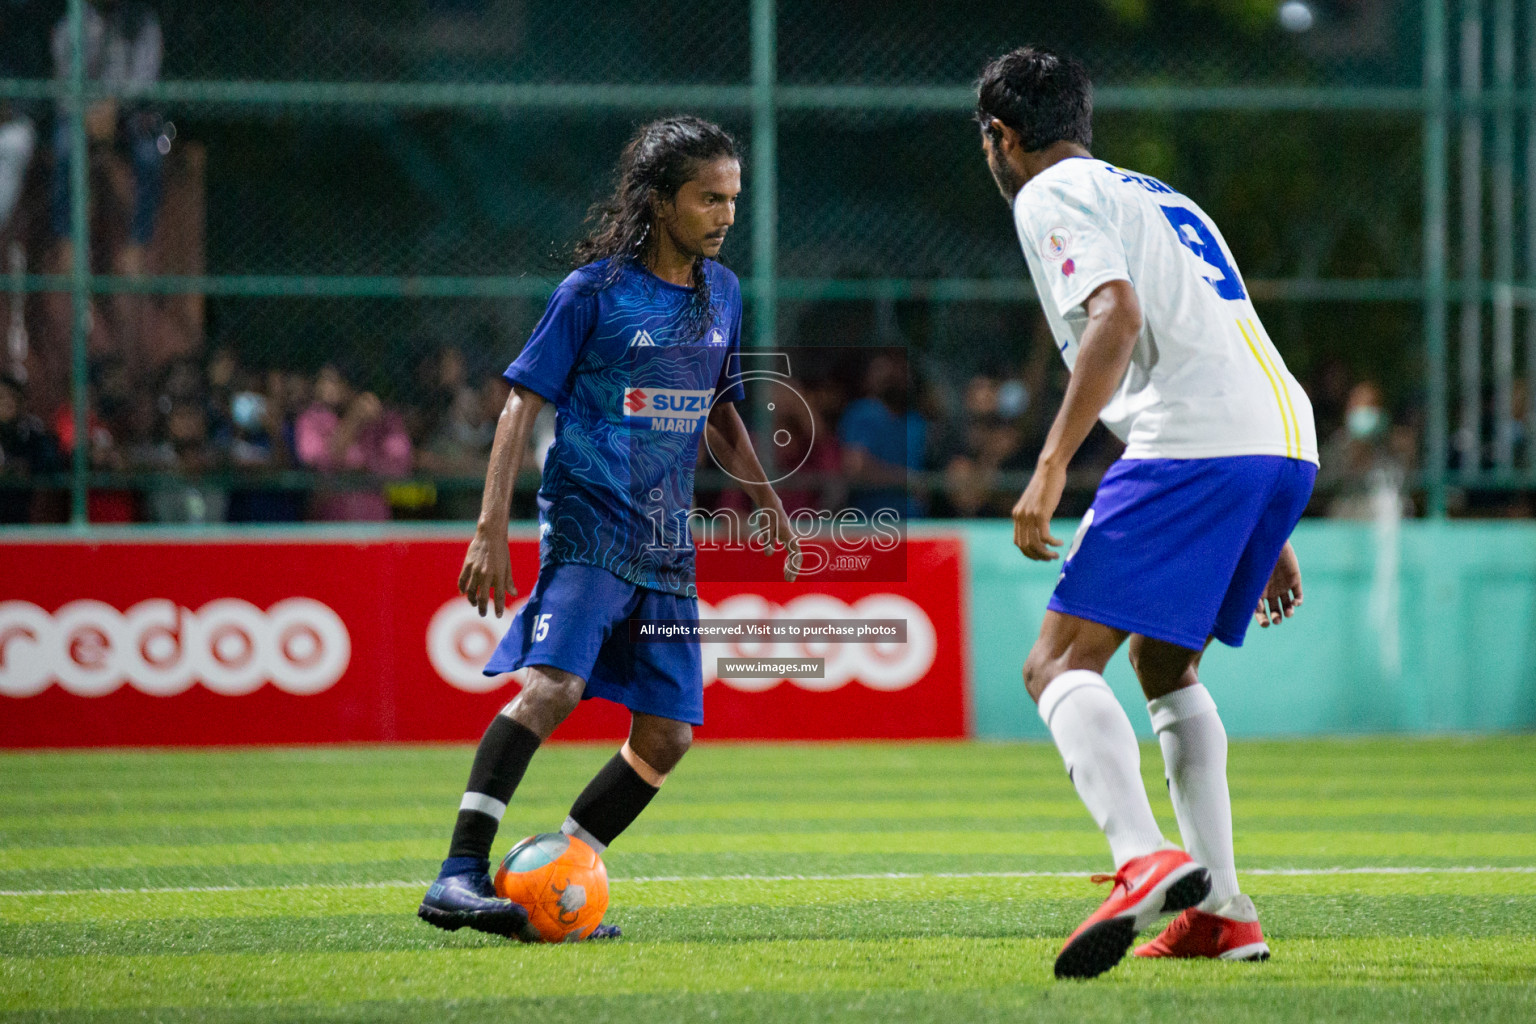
(503, 756)
(610, 803)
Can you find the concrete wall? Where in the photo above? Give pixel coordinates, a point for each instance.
(1433, 631)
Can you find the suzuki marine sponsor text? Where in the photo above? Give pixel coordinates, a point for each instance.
(666, 408)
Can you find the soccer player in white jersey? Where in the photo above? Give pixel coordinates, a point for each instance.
(1188, 536)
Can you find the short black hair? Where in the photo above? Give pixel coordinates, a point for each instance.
(1044, 96)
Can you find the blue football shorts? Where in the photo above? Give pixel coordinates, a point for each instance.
(1181, 549)
(577, 619)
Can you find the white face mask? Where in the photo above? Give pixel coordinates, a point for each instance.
(1364, 422)
(1012, 399)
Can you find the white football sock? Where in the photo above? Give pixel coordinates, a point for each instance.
(1099, 747)
(1195, 756)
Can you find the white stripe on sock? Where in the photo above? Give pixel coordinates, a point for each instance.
(573, 828)
(484, 804)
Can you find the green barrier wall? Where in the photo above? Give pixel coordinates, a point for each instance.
(1442, 641)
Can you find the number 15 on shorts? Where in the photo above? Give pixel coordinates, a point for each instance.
(541, 626)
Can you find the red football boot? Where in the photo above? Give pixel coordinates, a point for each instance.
(1147, 887)
(1232, 933)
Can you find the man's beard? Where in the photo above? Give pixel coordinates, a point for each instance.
(695, 251)
(1009, 182)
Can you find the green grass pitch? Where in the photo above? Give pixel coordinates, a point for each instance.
(1396, 880)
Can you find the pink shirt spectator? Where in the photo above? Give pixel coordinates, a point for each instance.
(381, 447)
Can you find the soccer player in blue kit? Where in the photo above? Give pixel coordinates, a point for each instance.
(637, 351)
(1188, 535)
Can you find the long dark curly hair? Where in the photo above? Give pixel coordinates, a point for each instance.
(660, 159)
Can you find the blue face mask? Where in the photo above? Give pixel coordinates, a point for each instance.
(1364, 422)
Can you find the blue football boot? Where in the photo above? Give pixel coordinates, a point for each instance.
(462, 896)
(605, 931)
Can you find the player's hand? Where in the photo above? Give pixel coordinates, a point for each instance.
(782, 535)
(1282, 595)
(487, 574)
(791, 557)
(1032, 513)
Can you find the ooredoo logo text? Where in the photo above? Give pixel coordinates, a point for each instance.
(158, 647)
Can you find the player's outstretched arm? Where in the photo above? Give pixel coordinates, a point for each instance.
(1114, 324)
(732, 446)
(487, 573)
(1282, 596)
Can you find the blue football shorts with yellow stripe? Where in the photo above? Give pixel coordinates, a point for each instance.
(1180, 550)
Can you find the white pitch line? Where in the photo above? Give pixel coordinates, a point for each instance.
(882, 876)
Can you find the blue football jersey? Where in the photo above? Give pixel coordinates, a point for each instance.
(632, 391)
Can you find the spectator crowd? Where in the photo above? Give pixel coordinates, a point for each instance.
(214, 440)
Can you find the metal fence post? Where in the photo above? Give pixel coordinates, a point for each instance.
(765, 177)
(1530, 244)
(1436, 427)
(80, 267)
(1503, 235)
(1469, 428)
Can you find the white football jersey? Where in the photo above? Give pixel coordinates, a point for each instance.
(1204, 379)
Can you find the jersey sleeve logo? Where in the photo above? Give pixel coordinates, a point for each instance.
(716, 337)
(1054, 245)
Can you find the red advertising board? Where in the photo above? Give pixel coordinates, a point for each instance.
(189, 642)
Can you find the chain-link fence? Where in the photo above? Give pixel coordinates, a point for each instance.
(393, 188)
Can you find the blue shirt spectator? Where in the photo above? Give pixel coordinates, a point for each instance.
(882, 440)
